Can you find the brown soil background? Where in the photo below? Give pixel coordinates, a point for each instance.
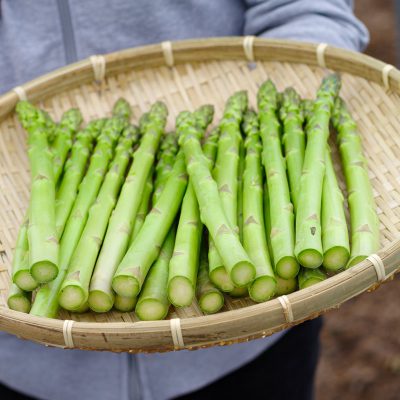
(361, 341)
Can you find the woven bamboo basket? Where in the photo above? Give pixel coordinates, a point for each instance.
(185, 75)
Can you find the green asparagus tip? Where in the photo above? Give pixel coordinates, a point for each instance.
(267, 96)
(122, 109)
(71, 119)
(158, 110)
(143, 121)
(250, 123)
(94, 127)
(203, 116)
(131, 131)
(236, 105)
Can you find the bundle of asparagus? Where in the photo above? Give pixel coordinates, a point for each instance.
(139, 219)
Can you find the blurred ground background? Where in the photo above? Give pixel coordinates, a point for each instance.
(361, 341)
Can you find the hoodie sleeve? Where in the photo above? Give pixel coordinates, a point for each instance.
(329, 21)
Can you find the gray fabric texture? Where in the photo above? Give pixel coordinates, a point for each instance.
(37, 37)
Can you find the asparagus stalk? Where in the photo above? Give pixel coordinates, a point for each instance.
(125, 304)
(335, 237)
(210, 299)
(121, 222)
(293, 139)
(153, 302)
(46, 301)
(242, 155)
(226, 177)
(74, 171)
(64, 132)
(309, 277)
(21, 275)
(364, 221)
(136, 263)
(19, 300)
(234, 257)
(166, 155)
(74, 291)
(143, 208)
(254, 239)
(184, 262)
(308, 248)
(285, 286)
(42, 237)
(281, 209)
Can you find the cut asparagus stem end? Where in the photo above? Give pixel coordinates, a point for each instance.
(180, 291)
(72, 298)
(44, 271)
(355, 260)
(310, 282)
(211, 303)
(310, 258)
(151, 310)
(19, 303)
(336, 258)
(239, 292)
(125, 304)
(24, 280)
(220, 278)
(126, 286)
(285, 286)
(287, 267)
(262, 289)
(100, 301)
(243, 273)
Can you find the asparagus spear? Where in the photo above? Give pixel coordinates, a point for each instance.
(254, 239)
(234, 258)
(285, 286)
(143, 208)
(293, 139)
(125, 304)
(74, 291)
(364, 221)
(242, 153)
(153, 302)
(226, 177)
(67, 127)
(184, 262)
(144, 250)
(309, 277)
(120, 226)
(42, 238)
(74, 171)
(281, 209)
(64, 132)
(46, 301)
(308, 248)
(210, 299)
(335, 237)
(18, 300)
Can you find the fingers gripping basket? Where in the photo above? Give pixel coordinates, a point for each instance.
(187, 74)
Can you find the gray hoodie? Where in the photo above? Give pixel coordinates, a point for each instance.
(39, 36)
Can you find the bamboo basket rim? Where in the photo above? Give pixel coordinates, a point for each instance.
(184, 333)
